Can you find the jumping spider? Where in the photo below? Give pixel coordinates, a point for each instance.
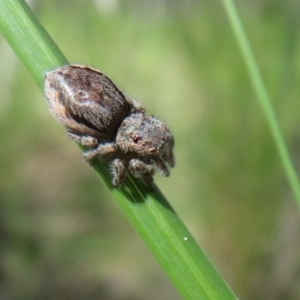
(98, 115)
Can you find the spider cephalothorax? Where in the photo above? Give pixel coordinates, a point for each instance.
(98, 115)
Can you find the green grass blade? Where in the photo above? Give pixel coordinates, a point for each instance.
(19, 29)
(148, 211)
(262, 95)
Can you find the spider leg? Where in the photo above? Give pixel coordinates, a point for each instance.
(161, 167)
(139, 169)
(171, 160)
(137, 107)
(84, 140)
(118, 172)
(101, 150)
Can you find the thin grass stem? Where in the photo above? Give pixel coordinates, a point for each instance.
(262, 96)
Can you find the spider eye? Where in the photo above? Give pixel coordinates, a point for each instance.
(136, 138)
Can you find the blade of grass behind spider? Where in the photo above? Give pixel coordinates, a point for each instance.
(262, 96)
(148, 211)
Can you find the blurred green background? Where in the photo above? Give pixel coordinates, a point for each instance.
(62, 236)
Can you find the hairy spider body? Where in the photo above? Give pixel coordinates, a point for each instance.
(97, 114)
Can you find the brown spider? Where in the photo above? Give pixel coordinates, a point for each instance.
(98, 115)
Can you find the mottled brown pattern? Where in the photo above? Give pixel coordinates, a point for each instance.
(98, 115)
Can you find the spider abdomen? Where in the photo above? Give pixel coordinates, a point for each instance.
(85, 101)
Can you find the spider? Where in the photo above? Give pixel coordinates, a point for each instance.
(115, 128)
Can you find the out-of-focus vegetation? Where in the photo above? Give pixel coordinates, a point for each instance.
(58, 241)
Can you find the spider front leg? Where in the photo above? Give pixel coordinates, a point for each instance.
(118, 172)
(105, 149)
(139, 169)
